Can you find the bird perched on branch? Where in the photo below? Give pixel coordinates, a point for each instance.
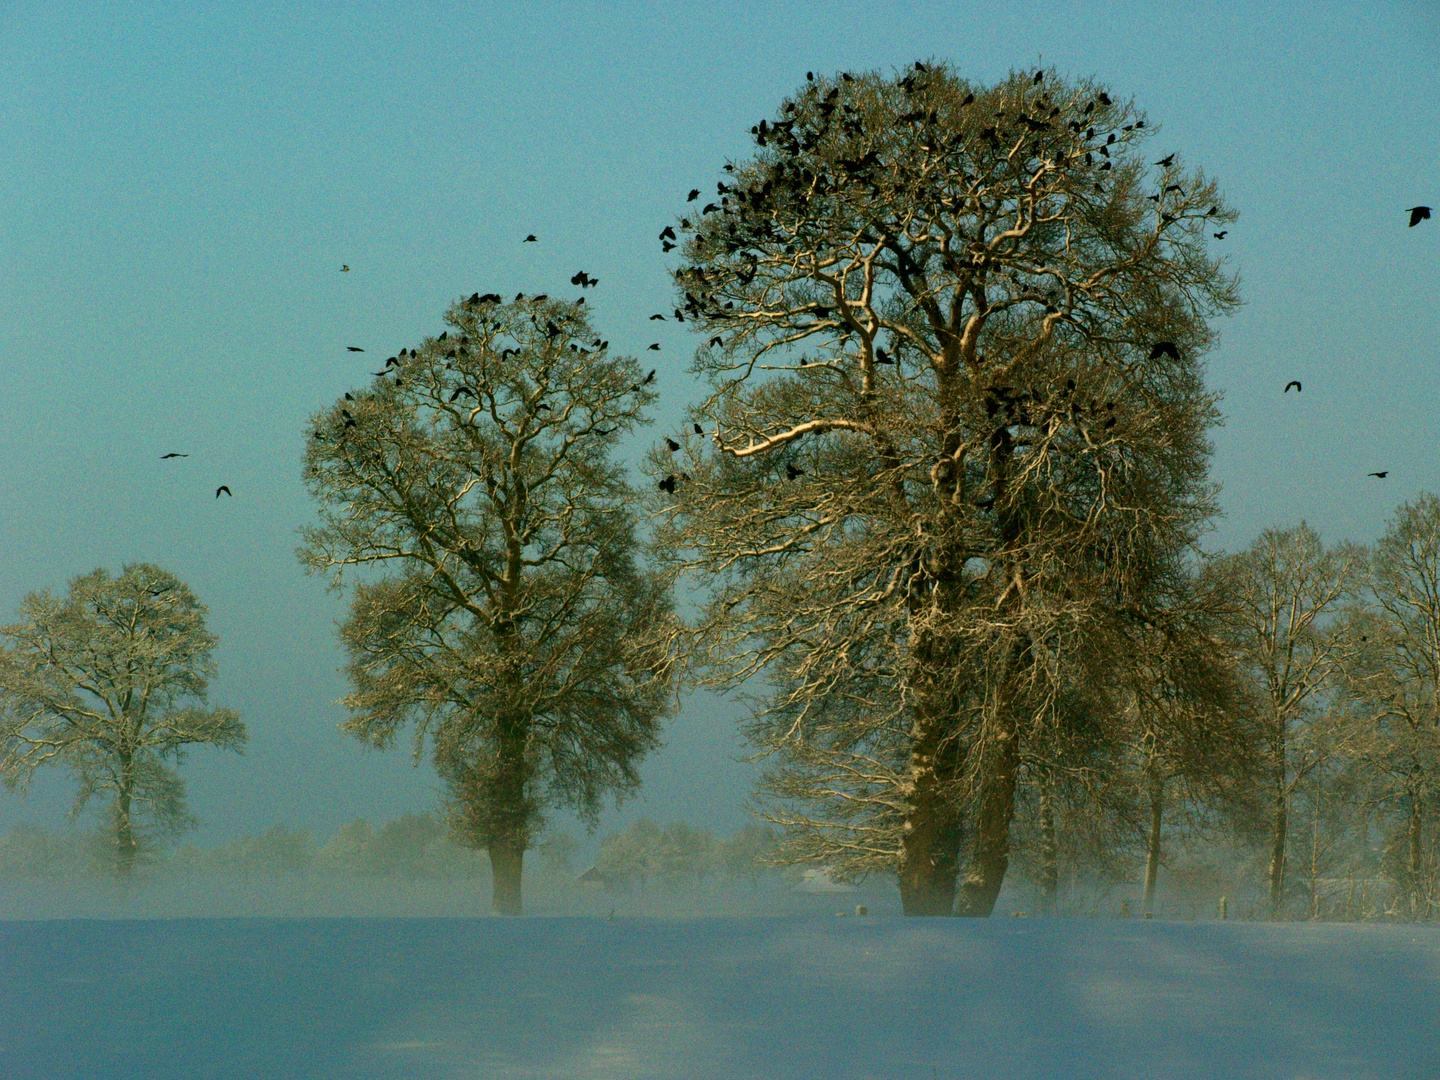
(667, 485)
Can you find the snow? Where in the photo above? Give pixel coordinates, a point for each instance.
(818, 998)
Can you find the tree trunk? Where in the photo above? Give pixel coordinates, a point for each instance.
(1417, 848)
(1280, 829)
(507, 857)
(1152, 850)
(930, 848)
(1049, 852)
(126, 846)
(991, 856)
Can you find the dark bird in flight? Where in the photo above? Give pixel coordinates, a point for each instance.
(165, 457)
(671, 444)
(657, 318)
(699, 430)
(1164, 348)
(666, 246)
(584, 280)
(1221, 234)
(353, 348)
(716, 341)
(882, 357)
(1379, 475)
(792, 472)
(529, 239)
(1295, 383)
(1104, 98)
(667, 233)
(345, 269)
(225, 488)
(601, 431)
(1417, 215)
(694, 194)
(668, 484)
(1166, 161)
(655, 346)
(378, 374)
(461, 390)
(648, 378)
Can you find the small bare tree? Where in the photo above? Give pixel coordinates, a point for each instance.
(1289, 589)
(514, 627)
(953, 339)
(111, 681)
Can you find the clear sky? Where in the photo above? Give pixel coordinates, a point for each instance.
(180, 184)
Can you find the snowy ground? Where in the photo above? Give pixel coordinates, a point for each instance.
(805, 997)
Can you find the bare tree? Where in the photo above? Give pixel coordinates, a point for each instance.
(1289, 587)
(509, 621)
(1397, 674)
(111, 681)
(953, 340)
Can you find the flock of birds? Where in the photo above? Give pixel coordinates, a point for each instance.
(669, 240)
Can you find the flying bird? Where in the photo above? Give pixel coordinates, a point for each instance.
(655, 346)
(882, 357)
(1166, 161)
(667, 233)
(1295, 383)
(165, 457)
(345, 269)
(694, 194)
(584, 280)
(1417, 215)
(353, 348)
(657, 317)
(1164, 348)
(1221, 234)
(648, 378)
(792, 472)
(529, 239)
(671, 444)
(225, 488)
(1379, 475)
(716, 341)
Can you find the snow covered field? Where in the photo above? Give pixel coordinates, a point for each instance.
(733, 998)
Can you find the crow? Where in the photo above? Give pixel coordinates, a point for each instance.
(345, 269)
(348, 396)
(668, 484)
(1417, 215)
(716, 341)
(380, 374)
(1221, 234)
(671, 444)
(1295, 383)
(667, 233)
(667, 246)
(699, 430)
(1104, 98)
(648, 378)
(474, 298)
(1379, 475)
(1164, 348)
(164, 457)
(657, 318)
(655, 346)
(882, 357)
(529, 239)
(1166, 161)
(792, 471)
(694, 194)
(226, 489)
(1039, 77)
(584, 280)
(353, 348)
(969, 100)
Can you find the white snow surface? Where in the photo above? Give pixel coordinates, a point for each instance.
(732, 998)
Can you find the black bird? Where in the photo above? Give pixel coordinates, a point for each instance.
(1295, 383)
(1417, 215)
(1221, 234)
(539, 298)
(671, 444)
(655, 346)
(1166, 161)
(694, 194)
(550, 328)
(792, 472)
(1104, 98)
(668, 484)
(584, 280)
(1212, 211)
(1039, 76)
(668, 232)
(601, 431)
(882, 357)
(352, 348)
(474, 298)
(699, 430)
(969, 100)
(164, 457)
(1164, 348)
(716, 341)
(648, 378)
(461, 390)
(667, 246)
(709, 208)
(1379, 475)
(345, 269)
(657, 318)
(529, 239)
(378, 374)
(225, 488)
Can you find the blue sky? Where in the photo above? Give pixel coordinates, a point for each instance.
(181, 184)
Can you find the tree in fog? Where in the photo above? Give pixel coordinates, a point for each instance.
(110, 681)
(500, 608)
(953, 336)
(1289, 589)
(1398, 674)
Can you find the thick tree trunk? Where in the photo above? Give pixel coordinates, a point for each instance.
(930, 847)
(1279, 830)
(1417, 848)
(1049, 852)
(1152, 849)
(126, 846)
(991, 856)
(507, 858)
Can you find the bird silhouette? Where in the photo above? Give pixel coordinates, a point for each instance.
(671, 444)
(792, 472)
(882, 357)
(1295, 383)
(694, 194)
(353, 348)
(657, 317)
(667, 233)
(226, 489)
(1379, 475)
(345, 269)
(655, 346)
(1164, 348)
(699, 430)
(529, 239)
(584, 280)
(716, 341)
(1417, 215)
(668, 484)
(1166, 161)
(1221, 234)
(1104, 98)
(165, 457)
(648, 378)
